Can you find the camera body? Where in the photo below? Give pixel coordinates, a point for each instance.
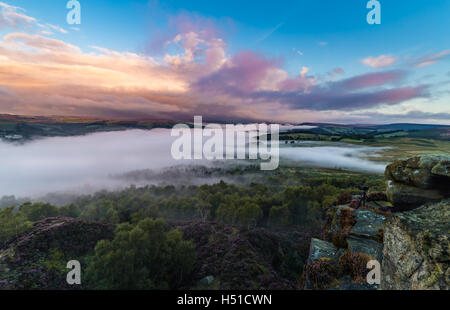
(363, 188)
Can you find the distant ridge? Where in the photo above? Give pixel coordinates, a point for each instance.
(75, 119)
(400, 126)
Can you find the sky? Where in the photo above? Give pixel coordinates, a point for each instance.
(228, 61)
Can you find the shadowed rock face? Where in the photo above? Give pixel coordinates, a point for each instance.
(416, 252)
(405, 197)
(418, 180)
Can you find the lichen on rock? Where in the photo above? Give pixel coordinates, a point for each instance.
(368, 224)
(416, 252)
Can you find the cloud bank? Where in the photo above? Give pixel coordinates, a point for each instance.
(41, 75)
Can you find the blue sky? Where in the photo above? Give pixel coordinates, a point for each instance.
(407, 26)
(328, 38)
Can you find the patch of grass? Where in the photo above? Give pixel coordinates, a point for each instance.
(406, 146)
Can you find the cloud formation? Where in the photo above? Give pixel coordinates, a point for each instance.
(381, 61)
(14, 17)
(431, 59)
(196, 75)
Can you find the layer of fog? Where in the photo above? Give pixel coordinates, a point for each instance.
(84, 162)
(285, 128)
(342, 156)
(93, 162)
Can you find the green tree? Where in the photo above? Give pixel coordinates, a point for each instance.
(71, 210)
(38, 211)
(12, 224)
(249, 214)
(144, 256)
(279, 216)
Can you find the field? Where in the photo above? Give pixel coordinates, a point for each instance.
(406, 146)
(397, 139)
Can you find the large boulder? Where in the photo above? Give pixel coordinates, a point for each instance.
(416, 252)
(321, 249)
(368, 224)
(405, 197)
(417, 180)
(417, 171)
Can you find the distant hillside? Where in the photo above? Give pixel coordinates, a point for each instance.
(336, 132)
(22, 128)
(19, 128)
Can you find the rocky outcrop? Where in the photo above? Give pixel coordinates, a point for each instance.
(418, 180)
(416, 252)
(412, 246)
(353, 237)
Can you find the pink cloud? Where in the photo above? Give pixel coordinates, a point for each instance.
(300, 83)
(431, 59)
(184, 23)
(244, 73)
(339, 71)
(381, 61)
(336, 71)
(371, 79)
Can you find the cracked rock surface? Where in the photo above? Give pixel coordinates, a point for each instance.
(416, 252)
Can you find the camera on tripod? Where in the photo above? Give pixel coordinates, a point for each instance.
(363, 188)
